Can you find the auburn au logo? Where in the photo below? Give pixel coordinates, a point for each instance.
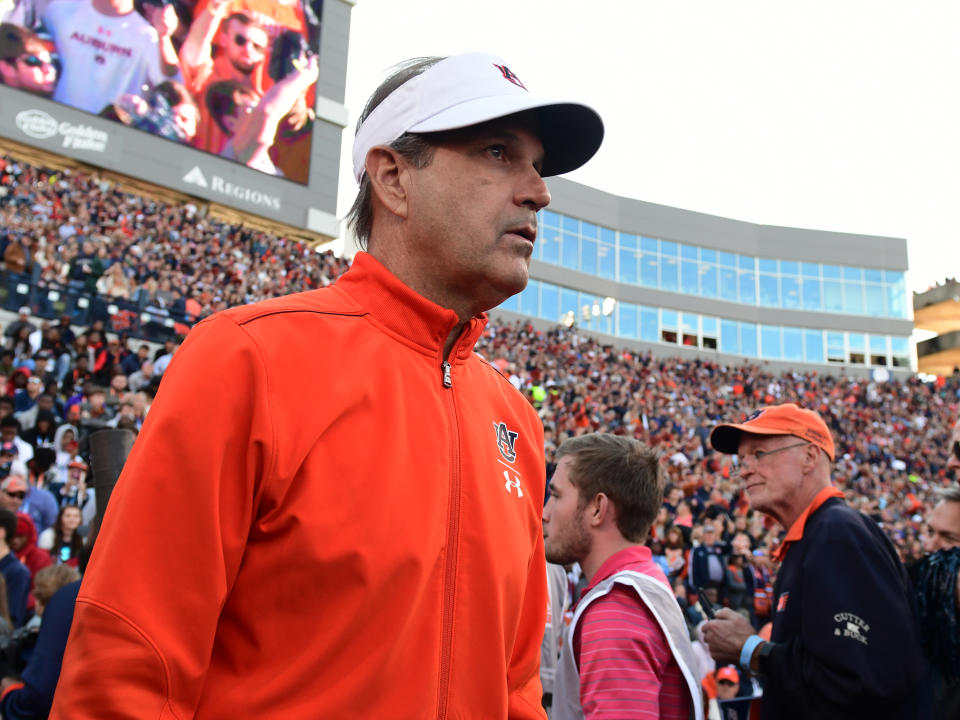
(505, 441)
(509, 75)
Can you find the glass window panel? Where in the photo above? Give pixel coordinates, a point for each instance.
(813, 346)
(568, 304)
(878, 344)
(608, 236)
(892, 276)
(900, 345)
(768, 265)
(811, 270)
(689, 252)
(570, 225)
(832, 296)
(589, 230)
(770, 342)
(769, 291)
(512, 303)
(897, 297)
(570, 254)
(628, 241)
(790, 290)
(811, 294)
(550, 218)
(588, 256)
(835, 340)
(729, 342)
(708, 280)
(853, 297)
(689, 277)
(668, 249)
(649, 244)
(726, 259)
(875, 300)
(649, 266)
(690, 323)
(789, 267)
(707, 255)
(873, 275)
(627, 320)
(550, 302)
(793, 344)
(748, 339)
(529, 298)
(853, 274)
(649, 329)
(668, 273)
(728, 284)
(709, 326)
(746, 262)
(857, 341)
(831, 272)
(748, 288)
(628, 266)
(550, 246)
(606, 261)
(669, 319)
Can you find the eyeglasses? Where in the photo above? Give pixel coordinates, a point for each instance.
(758, 455)
(18, 495)
(241, 41)
(35, 61)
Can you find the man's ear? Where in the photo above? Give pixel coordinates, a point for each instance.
(600, 510)
(388, 173)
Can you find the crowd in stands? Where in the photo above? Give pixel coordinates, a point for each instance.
(232, 77)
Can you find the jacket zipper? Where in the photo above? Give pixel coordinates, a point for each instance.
(453, 535)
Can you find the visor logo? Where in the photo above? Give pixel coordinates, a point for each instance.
(508, 74)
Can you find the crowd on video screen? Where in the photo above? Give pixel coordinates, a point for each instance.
(231, 77)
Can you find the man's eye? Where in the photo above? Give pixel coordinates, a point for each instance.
(497, 151)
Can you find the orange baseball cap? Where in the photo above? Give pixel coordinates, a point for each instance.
(786, 419)
(728, 672)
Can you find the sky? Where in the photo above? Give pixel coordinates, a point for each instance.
(840, 115)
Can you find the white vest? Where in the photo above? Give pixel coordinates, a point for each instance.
(661, 602)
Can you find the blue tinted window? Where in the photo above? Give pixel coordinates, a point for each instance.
(832, 296)
(550, 302)
(873, 275)
(588, 256)
(589, 230)
(669, 319)
(831, 272)
(835, 340)
(707, 255)
(853, 297)
(892, 276)
(768, 265)
(748, 339)
(606, 261)
(790, 292)
(897, 297)
(728, 284)
(512, 303)
(668, 273)
(627, 319)
(857, 342)
(709, 326)
(689, 323)
(529, 298)
(811, 270)
(900, 345)
(769, 291)
(568, 303)
(878, 344)
(628, 266)
(689, 277)
(649, 244)
(550, 218)
(668, 249)
(729, 342)
(852, 273)
(689, 252)
(793, 344)
(813, 340)
(628, 241)
(746, 262)
(748, 288)
(770, 342)
(571, 225)
(570, 257)
(789, 267)
(875, 298)
(649, 330)
(708, 280)
(811, 294)
(608, 236)
(550, 246)
(726, 259)
(648, 270)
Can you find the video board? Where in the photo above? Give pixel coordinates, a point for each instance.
(228, 99)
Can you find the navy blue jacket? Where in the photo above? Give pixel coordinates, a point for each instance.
(18, 587)
(844, 626)
(40, 677)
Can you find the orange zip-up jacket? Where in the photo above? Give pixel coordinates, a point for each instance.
(320, 520)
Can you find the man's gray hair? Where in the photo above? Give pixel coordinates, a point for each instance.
(949, 494)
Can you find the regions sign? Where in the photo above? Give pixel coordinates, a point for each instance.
(41, 125)
(224, 187)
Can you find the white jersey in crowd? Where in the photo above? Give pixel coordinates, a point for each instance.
(103, 57)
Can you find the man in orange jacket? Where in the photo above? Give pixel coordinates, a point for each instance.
(285, 544)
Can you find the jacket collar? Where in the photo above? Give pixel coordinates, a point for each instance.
(403, 311)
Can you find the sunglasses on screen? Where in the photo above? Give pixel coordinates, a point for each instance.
(240, 41)
(18, 495)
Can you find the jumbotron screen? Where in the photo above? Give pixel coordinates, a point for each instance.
(236, 78)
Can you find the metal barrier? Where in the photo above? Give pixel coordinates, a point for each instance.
(52, 301)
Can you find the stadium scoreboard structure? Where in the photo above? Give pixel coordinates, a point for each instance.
(37, 122)
(678, 282)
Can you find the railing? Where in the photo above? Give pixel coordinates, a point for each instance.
(51, 300)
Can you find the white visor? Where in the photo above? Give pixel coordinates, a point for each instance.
(465, 90)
